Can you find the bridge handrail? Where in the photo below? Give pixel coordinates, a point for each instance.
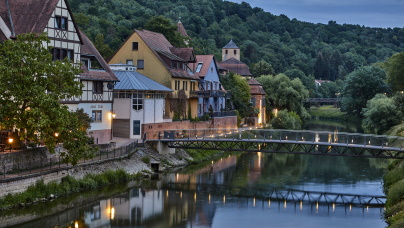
(289, 135)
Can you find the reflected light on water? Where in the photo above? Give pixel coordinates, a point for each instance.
(167, 193)
(301, 205)
(76, 225)
(254, 202)
(269, 203)
(333, 207)
(350, 207)
(209, 197)
(316, 207)
(181, 194)
(112, 213)
(284, 204)
(195, 196)
(224, 199)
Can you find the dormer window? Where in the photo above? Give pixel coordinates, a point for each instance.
(86, 62)
(199, 67)
(61, 22)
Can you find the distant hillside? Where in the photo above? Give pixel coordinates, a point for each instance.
(326, 51)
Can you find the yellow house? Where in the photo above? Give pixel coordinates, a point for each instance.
(157, 59)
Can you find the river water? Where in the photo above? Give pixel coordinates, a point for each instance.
(238, 190)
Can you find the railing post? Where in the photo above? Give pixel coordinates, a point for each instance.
(4, 171)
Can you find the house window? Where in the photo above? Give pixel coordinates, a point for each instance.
(61, 22)
(137, 101)
(136, 127)
(185, 85)
(199, 108)
(199, 67)
(140, 64)
(227, 52)
(96, 116)
(98, 87)
(135, 46)
(129, 61)
(86, 62)
(235, 52)
(59, 54)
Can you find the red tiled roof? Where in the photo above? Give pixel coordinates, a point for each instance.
(187, 54)
(166, 52)
(236, 66)
(253, 81)
(181, 29)
(87, 48)
(205, 60)
(255, 87)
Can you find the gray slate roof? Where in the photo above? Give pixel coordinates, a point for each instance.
(231, 44)
(131, 80)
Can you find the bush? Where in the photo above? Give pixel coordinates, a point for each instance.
(394, 175)
(395, 193)
(287, 120)
(146, 159)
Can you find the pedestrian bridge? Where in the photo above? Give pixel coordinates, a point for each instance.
(281, 194)
(286, 141)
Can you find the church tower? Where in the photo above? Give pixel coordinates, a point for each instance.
(230, 51)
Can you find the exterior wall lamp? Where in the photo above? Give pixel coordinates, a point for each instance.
(10, 140)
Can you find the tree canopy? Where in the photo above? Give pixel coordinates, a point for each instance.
(240, 92)
(327, 51)
(395, 71)
(360, 86)
(380, 114)
(284, 93)
(32, 86)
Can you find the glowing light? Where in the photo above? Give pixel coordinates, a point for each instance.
(333, 207)
(316, 206)
(181, 194)
(284, 204)
(209, 197)
(167, 193)
(286, 137)
(350, 207)
(224, 199)
(112, 213)
(195, 196)
(301, 205)
(76, 225)
(177, 176)
(56, 134)
(269, 203)
(254, 202)
(367, 208)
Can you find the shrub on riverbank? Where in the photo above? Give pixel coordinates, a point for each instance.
(394, 189)
(68, 185)
(327, 112)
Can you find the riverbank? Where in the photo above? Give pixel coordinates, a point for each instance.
(393, 183)
(134, 164)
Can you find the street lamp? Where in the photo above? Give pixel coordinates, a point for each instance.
(10, 140)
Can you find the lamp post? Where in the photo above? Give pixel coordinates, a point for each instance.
(10, 140)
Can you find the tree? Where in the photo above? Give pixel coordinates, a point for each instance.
(381, 114)
(240, 92)
(32, 86)
(284, 93)
(262, 68)
(360, 86)
(164, 26)
(395, 71)
(102, 47)
(287, 120)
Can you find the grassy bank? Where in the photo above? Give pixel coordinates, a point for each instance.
(327, 112)
(394, 188)
(68, 185)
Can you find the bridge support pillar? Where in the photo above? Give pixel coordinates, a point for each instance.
(162, 148)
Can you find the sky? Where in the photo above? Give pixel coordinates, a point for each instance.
(370, 13)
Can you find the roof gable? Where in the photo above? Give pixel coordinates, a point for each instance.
(87, 48)
(235, 66)
(30, 16)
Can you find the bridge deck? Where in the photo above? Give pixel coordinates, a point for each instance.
(286, 141)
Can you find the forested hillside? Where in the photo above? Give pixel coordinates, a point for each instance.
(328, 51)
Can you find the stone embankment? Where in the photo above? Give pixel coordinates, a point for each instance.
(132, 165)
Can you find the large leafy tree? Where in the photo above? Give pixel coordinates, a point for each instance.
(32, 86)
(262, 68)
(380, 114)
(240, 92)
(360, 86)
(395, 71)
(284, 93)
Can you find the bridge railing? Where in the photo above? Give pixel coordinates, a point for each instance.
(290, 135)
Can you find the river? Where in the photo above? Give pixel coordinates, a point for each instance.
(238, 190)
